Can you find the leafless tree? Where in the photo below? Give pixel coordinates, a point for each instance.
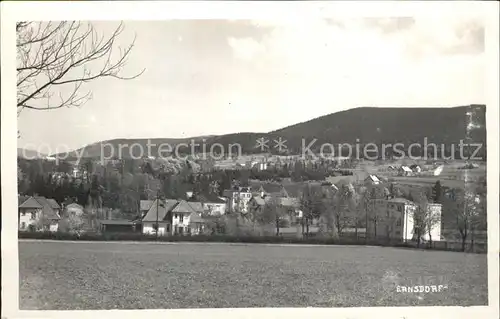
(313, 205)
(55, 56)
(273, 213)
(469, 213)
(420, 215)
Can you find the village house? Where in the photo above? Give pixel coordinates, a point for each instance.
(238, 199)
(197, 224)
(173, 217)
(73, 209)
(211, 204)
(405, 171)
(416, 168)
(260, 166)
(216, 206)
(394, 218)
(278, 194)
(257, 203)
(144, 206)
(181, 218)
(37, 213)
(158, 218)
(372, 180)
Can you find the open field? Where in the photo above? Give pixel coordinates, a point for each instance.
(67, 275)
(428, 181)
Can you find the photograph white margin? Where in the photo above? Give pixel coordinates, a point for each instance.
(296, 11)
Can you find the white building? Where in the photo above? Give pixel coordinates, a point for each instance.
(186, 219)
(238, 199)
(158, 218)
(37, 213)
(172, 217)
(215, 208)
(372, 180)
(394, 218)
(73, 209)
(405, 171)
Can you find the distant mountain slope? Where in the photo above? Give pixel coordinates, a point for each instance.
(29, 154)
(385, 125)
(364, 125)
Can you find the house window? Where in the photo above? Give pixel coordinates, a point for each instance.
(168, 228)
(33, 215)
(181, 230)
(398, 222)
(23, 214)
(181, 218)
(23, 225)
(176, 216)
(155, 227)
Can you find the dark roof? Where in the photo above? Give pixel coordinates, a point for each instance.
(282, 190)
(184, 208)
(209, 198)
(259, 200)
(278, 190)
(146, 204)
(53, 203)
(270, 188)
(31, 202)
(163, 209)
(197, 206)
(21, 199)
(228, 192)
(47, 210)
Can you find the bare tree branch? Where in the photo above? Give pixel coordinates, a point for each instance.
(52, 56)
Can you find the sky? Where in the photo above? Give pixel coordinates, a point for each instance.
(205, 77)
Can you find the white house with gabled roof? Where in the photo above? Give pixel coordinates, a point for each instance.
(37, 213)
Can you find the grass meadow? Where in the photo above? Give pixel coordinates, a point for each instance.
(104, 275)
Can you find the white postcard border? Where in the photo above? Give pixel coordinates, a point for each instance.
(294, 11)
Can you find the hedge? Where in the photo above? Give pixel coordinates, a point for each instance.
(442, 246)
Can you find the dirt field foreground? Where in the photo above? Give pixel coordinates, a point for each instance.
(103, 275)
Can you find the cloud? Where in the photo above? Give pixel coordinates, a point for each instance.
(354, 62)
(245, 48)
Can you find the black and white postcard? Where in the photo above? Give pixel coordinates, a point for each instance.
(243, 159)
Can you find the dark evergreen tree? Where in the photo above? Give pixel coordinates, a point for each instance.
(437, 192)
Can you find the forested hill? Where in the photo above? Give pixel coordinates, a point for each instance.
(379, 125)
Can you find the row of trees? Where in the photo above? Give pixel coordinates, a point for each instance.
(112, 187)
